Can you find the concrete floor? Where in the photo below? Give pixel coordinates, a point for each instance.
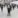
(14, 13)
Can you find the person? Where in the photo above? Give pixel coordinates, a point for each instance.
(9, 9)
(14, 5)
(2, 4)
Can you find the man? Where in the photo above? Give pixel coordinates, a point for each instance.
(14, 5)
(2, 4)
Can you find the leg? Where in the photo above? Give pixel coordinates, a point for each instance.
(9, 10)
(13, 6)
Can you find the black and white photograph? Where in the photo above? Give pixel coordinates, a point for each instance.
(8, 8)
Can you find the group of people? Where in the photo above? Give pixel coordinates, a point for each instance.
(9, 7)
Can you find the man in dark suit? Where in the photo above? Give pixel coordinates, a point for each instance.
(14, 5)
(1, 7)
